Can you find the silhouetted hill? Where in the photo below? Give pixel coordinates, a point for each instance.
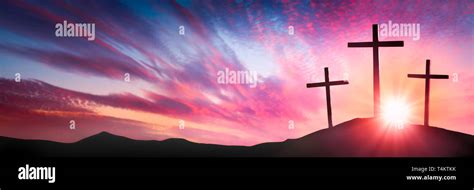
(354, 138)
(370, 138)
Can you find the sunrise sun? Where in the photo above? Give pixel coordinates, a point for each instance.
(396, 112)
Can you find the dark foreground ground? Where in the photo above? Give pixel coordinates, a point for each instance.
(359, 154)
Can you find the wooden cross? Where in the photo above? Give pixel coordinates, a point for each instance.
(327, 84)
(375, 44)
(427, 78)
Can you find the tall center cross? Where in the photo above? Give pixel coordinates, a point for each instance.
(375, 44)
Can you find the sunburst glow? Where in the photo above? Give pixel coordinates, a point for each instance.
(396, 112)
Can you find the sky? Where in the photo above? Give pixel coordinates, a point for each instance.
(174, 76)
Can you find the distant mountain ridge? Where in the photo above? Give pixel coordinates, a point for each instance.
(354, 138)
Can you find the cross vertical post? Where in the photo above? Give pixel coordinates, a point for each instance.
(328, 96)
(427, 94)
(376, 82)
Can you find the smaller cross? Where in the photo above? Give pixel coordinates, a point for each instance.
(427, 78)
(327, 84)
